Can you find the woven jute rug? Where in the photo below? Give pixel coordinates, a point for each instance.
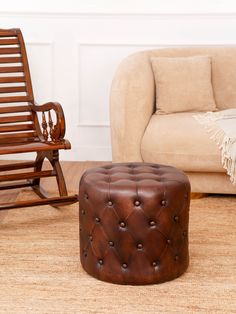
(40, 271)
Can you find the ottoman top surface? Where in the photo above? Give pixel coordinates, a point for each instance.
(126, 174)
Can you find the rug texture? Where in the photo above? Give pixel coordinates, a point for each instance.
(40, 271)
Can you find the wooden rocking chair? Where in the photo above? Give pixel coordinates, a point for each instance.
(21, 131)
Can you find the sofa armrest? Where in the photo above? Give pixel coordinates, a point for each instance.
(132, 102)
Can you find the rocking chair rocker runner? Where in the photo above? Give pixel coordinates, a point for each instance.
(21, 131)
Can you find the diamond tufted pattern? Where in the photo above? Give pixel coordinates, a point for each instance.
(134, 223)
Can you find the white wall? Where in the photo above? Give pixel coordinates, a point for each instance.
(74, 48)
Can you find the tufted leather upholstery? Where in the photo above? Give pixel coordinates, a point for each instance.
(134, 223)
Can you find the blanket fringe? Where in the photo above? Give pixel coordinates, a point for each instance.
(224, 142)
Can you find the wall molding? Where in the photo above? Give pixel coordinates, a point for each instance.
(81, 44)
(119, 14)
(93, 125)
(40, 43)
(150, 44)
(51, 71)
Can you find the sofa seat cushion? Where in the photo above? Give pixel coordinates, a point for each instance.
(179, 140)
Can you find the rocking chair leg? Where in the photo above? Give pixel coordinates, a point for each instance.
(38, 166)
(54, 160)
(36, 182)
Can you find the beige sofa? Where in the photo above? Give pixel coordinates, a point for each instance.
(138, 134)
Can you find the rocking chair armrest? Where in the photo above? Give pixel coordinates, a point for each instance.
(60, 126)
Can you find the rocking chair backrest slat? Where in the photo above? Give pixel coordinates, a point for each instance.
(10, 51)
(11, 69)
(14, 89)
(10, 59)
(15, 124)
(14, 68)
(21, 138)
(11, 41)
(16, 94)
(7, 32)
(13, 79)
(18, 135)
(14, 109)
(15, 119)
(16, 127)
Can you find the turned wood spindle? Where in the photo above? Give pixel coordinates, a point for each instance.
(50, 123)
(56, 132)
(44, 126)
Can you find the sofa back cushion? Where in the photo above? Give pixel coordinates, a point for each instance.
(223, 69)
(183, 84)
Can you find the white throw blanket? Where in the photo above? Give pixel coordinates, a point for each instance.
(222, 128)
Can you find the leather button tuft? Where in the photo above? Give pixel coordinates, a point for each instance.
(163, 202)
(137, 203)
(176, 257)
(152, 223)
(82, 211)
(154, 264)
(176, 218)
(168, 241)
(90, 238)
(140, 246)
(111, 243)
(184, 233)
(124, 265)
(110, 203)
(86, 196)
(122, 224)
(100, 261)
(97, 219)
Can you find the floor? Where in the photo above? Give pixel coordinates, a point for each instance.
(40, 271)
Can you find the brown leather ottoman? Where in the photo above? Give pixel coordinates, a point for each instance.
(134, 223)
